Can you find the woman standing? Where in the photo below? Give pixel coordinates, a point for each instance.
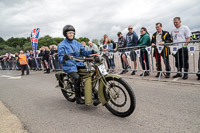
(108, 46)
(144, 41)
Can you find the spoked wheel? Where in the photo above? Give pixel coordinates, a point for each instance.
(68, 90)
(120, 97)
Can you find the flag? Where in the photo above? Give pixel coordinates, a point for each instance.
(34, 39)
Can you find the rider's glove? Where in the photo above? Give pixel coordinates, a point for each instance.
(66, 57)
(94, 52)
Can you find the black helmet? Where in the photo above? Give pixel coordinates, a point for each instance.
(68, 28)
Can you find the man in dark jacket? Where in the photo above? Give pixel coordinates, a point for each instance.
(120, 48)
(132, 40)
(159, 38)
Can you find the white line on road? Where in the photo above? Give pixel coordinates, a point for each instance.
(10, 77)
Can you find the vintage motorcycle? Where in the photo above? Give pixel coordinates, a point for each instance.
(99, 87)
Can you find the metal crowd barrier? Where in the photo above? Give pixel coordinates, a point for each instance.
(193, 57)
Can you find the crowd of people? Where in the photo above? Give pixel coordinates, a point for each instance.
(46, 58)
(180, 33)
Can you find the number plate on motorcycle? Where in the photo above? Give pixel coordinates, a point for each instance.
(102, 69)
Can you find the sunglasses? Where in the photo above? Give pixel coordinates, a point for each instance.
(130, 28)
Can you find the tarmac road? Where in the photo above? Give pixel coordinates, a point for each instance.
(162, 107)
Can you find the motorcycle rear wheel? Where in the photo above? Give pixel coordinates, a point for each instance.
(69, 95)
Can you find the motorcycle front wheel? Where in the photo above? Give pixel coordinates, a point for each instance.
(120, 96)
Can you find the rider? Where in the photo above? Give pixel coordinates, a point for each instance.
(70, 47)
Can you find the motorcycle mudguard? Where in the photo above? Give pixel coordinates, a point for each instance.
(101, 86)
(59, 76)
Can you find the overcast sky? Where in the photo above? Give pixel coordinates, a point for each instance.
(94, 18)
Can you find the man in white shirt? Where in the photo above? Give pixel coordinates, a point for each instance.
(93, 46)
(181, 33)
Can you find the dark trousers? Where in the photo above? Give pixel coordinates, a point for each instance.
(3, 65)
(144, 57)
(165, 55)
(24, 67)
(181, 59)
(124, 66)
(107, 61)
(77, 79)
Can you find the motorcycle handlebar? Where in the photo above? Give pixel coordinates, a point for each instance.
(82, 59)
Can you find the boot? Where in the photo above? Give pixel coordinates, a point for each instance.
(178, 74)
(78, 97)
(158, 74)
(134, 72)
(185, 76)
(146, 73)
(47, 71)
(167, 75)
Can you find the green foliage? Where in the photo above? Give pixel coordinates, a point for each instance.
(101, 41)
(85, 39)
(95, 41)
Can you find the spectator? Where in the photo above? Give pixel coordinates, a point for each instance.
(52, 59)
(31, 61)
(120, 46)
(181, 33)
(57, 65)
(144, 41)
(93, 46)
(9, 61)
(46, 59)
(2, 60)
(158, 39)
(38, 60)
(27, 54)
(108, 46)
(114, 44)
(84, 45)
(23, 63)
(16, 62)
(132, 40)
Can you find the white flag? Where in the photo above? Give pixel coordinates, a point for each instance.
(174, 49)
(119, 53)
(160, 48)
(127, 53)
(138, 52)
(110, 55)
(148, 49)
(192, 49)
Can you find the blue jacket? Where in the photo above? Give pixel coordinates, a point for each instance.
(109, 47)
(133, 41)
(73, 48)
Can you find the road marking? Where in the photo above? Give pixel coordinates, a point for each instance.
(10, 77)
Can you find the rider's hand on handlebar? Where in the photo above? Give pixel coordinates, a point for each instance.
(94, 52)
(66, 57)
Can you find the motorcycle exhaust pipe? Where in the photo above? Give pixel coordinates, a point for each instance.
(88, 91)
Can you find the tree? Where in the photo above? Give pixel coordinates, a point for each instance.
(58, 40)
(95, 41)
(46, 41)
(85, 39)
(27, 46)
(101, 41)
(1, 40)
